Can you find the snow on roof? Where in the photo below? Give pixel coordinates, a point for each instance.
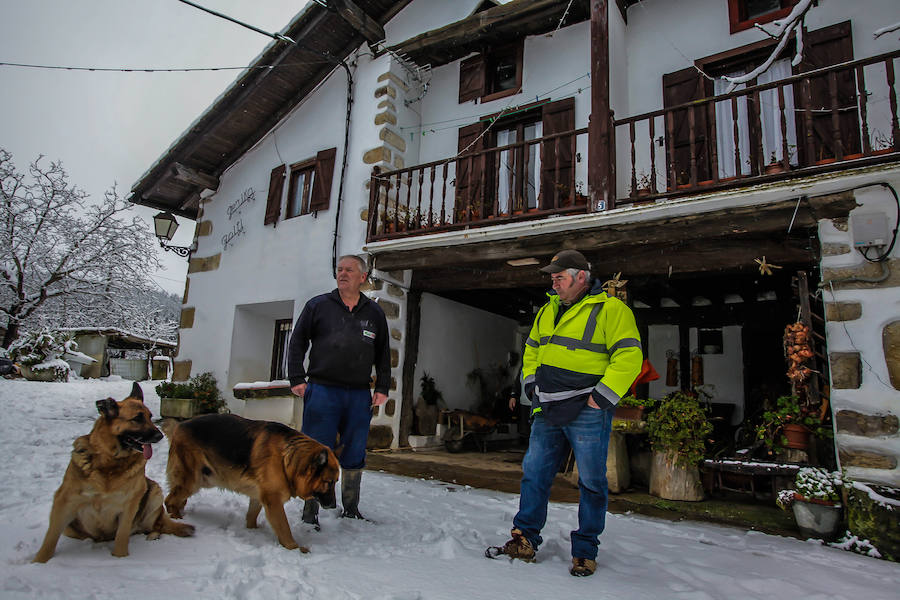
(115, 331)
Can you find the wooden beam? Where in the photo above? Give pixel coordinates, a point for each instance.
(202, 180)
(730, 223)
(525, 17)
(599, 163)
(360, 20)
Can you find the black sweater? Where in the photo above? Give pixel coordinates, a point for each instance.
(345, 344)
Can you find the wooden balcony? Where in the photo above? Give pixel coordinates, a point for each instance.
(831, 119)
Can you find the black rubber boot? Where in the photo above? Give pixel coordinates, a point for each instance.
(311, 513)
(350, 493)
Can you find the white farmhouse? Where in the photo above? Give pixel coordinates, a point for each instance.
(461, 144)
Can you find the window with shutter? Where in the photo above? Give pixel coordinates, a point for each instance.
(301, 188)
(470, 174)
(681, 87)
(557, 155)
(492, 74)
(744, 14)
(324, 172)
(273, 201)
(822, 48)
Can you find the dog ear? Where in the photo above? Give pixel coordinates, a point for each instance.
(108, 408)
(321, 460)
(136, 392)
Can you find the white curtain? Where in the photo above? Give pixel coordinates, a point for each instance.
(770, 117)
(506, 200)
(725, 130)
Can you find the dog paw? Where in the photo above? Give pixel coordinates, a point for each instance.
(304, 550)
(120, 554)
(153, 535)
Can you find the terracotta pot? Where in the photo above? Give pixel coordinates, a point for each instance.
(773, 168)
(630, 413)
(797, 436)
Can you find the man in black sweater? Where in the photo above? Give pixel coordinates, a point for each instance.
(349, 335)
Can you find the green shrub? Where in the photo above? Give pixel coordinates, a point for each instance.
(202, 387)
(813, 483)
(631, 401)
(679, 427)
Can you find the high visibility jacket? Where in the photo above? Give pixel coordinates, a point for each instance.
(595, 347)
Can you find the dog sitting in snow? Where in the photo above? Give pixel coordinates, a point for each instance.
(104, 494)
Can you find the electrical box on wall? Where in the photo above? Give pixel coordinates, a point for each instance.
(869, 230)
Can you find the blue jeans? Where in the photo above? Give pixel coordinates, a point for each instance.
(588, 436)
(331, 410)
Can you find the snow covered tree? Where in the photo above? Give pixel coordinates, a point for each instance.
(56, 244)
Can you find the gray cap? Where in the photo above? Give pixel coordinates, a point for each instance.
(567, 259)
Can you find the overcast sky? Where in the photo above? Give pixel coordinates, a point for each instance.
(110, 128)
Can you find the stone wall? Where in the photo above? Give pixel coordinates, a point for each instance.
(862, 311)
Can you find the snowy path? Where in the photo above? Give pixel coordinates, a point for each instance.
(426, 541)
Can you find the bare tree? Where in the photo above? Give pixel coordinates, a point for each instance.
(56, 243)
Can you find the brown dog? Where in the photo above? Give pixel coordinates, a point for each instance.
(105, 494)
(267, 461)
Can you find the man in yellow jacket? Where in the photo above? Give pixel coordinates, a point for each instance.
(582, 355)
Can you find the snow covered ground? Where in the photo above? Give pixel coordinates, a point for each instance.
(426, 541)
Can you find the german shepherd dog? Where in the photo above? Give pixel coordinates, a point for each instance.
(105, 494)
(267, 461)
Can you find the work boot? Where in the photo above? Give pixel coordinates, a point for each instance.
(350, 493)
(519, 547)
(311, 513)
(583, 567)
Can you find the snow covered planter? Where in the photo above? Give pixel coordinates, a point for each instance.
(198, 396)
(270, 401)
(815, 502)
(873, 512)
(40, 355)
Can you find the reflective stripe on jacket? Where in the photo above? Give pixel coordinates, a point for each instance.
(594, 347)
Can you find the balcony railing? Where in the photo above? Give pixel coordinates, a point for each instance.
(824, 120)
(830, 119)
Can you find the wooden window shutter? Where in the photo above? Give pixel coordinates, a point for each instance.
(470, 174)
(681, 87)
(273, 201)
(557, 159)
(324, 174)
(822, 48)
(472, 78)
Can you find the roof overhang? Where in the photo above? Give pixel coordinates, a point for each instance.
(257, 100)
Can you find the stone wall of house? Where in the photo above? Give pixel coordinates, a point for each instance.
(862, 311)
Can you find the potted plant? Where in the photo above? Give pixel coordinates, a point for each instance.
(199, 395)
(678, 429)
(39, 355)
(643, 186)
(815, 502)
(428, 406)
(789, 425)
(631, 408)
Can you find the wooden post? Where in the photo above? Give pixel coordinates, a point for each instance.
(598, 127)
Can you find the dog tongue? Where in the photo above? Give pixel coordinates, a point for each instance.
(148, 451)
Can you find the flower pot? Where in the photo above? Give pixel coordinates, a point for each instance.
(821, 520)
(773, 168)
(630, 413)
(178, 408)
(54, 374)
(797, 436)
(671, 481)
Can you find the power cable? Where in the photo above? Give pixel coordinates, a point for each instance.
(158, 70)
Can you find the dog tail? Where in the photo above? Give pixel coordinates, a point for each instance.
(168, 426)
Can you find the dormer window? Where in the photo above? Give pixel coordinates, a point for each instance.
(743, 14)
